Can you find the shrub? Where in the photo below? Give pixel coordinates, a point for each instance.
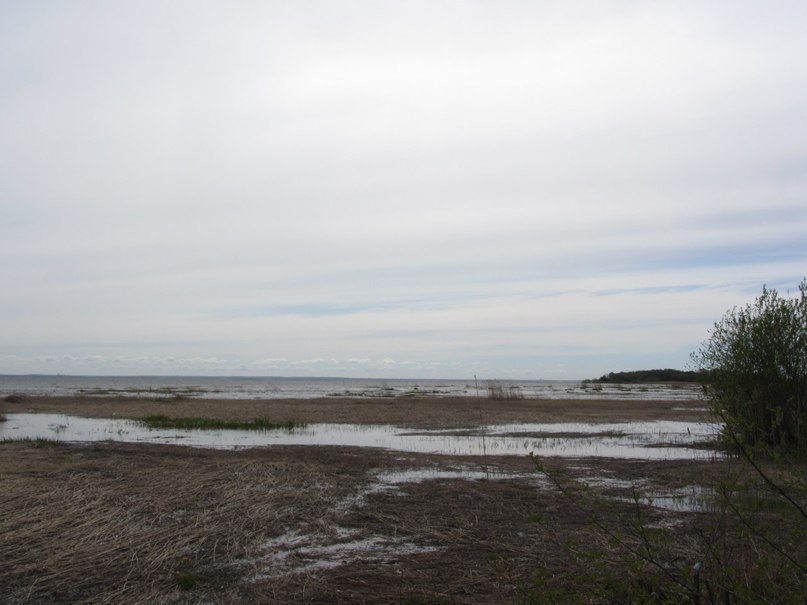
(756, 360)
(746, 545)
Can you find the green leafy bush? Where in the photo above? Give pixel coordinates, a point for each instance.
(756, 360)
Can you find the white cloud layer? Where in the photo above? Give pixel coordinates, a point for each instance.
(416, 189)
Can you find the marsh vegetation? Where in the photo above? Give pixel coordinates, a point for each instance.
(199, 423)
(129, 523)
(502, 391)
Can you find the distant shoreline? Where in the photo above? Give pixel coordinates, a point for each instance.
(254, 388)
(279, 377)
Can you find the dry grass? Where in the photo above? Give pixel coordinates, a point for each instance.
(128, 524)
(159, 524)
(118, 523)
(426, 412)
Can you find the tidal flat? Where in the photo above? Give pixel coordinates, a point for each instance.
(130, 522)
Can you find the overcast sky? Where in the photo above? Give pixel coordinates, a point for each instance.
(395, 189)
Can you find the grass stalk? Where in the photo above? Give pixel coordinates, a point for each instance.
(258, 424)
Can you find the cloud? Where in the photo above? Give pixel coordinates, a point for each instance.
(449, 186)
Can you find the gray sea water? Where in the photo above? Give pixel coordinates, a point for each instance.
(309, 388)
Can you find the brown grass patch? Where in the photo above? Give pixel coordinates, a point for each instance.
(426, 412)
(123, 523)
(127, 523)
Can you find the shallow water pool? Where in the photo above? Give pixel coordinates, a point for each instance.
(662, 440)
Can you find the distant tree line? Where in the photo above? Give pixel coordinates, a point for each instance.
(665, 375)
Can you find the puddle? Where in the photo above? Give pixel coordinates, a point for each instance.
(689, 499)
(396, 478)
(390, 481)
(298, 553)
(663, 440)
(692, 499)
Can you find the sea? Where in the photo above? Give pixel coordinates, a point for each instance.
(240, 387)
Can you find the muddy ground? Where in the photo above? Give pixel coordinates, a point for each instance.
(422, 412)
(127, 523)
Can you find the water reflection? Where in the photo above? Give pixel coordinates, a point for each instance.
(663, 440)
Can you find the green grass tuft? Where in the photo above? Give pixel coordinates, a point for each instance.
(188, 580)
(35, 441)
(258, 424)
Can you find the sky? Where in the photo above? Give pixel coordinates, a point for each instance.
(369, 188)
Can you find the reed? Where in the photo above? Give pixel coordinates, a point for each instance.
(499, 391)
